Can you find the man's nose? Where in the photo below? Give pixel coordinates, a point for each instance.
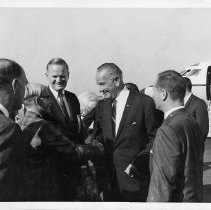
(58, 79)
(101, 89)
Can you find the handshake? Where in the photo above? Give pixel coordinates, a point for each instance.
(90, 151)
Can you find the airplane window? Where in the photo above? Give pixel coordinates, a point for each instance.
(194, 72)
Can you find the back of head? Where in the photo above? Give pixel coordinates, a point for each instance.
(88, 100)
(173, 83)
(9, 70)
(188, 84)
(34, 91)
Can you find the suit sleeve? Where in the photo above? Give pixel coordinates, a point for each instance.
(150, 127)
(52, 138)
(11, 163)
(202, 118)
(97, 130)
(150, 123)
(166, 166)
(82, 131)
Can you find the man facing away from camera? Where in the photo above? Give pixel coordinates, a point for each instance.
(177, 149)
(197, 108)
(126, 126)
(12, 174)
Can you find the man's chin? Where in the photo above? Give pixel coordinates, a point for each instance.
(59, 88)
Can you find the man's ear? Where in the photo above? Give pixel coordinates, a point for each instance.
(15, 85)
(164, 94)
(46, 73)
(117, 81)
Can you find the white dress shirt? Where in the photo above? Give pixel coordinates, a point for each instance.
(4, 110)
(55, 93)
(172, 110)
(120, 105)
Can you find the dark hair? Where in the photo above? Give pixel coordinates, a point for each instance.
(58, 61)
(173, 83)
(9, 70)
(132, 86)
(112, 69)
(188, 84)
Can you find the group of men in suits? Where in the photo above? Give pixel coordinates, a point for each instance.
(125, 131)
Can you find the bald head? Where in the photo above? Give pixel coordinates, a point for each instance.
(12, 84)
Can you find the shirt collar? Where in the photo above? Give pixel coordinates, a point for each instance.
(187, 98)
(172, 110)
(55, 93)
(4, 110)
(122, 94)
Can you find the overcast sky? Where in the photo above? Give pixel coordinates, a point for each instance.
(142, 42)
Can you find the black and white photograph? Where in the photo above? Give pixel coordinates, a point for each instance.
(105, 104)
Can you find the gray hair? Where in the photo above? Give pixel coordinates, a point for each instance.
(88, 101)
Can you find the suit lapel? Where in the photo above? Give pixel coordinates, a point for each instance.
(125, 113)
(69, 103)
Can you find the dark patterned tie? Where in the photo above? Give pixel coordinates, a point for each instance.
(62, 106)
(114, 117)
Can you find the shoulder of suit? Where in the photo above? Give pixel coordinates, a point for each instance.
(7, 124)
(198, 100)
(180, 120)
(70, 94)
(143, 97)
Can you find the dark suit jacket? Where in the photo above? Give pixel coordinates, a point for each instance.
(13, 185)
(177, 160)
(75, 129)
(133, 140)
(46, 147)
(198, 109)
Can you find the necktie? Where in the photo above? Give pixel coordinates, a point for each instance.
(114, 117)
(62, 106)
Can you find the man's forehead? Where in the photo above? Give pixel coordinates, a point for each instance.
(102, 76)
(53, 68)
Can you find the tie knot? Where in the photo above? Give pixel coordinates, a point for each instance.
(60, 94)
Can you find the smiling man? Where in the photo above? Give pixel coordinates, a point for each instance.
(126, 121)
(65, 112)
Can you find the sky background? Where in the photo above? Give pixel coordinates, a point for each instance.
(142, 42)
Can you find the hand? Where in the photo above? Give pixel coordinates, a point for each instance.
(89, 151)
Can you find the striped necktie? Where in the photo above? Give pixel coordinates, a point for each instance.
(114, 117)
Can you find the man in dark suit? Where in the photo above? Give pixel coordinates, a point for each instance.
(177, 149)
(125, 123)
(197, 108)
(66, 112)
(46, 146)
(12, 175)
